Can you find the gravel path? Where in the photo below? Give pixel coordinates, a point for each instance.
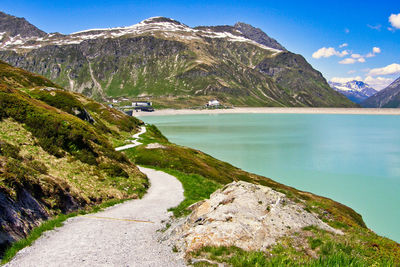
(114, 237)
(134, 141)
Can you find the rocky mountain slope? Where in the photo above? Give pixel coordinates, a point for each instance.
(356, 91)
(386, 98)
(13, 26)
(165, 59)
(57, 153)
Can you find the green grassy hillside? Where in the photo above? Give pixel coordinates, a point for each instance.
(56, 154)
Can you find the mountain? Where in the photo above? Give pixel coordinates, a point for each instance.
(11, 26)
(57, 153)
(356, 91)
(172, 63)
(386, 98)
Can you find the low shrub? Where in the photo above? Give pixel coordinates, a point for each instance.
(9, 150)
(38, 166)
(113, 169)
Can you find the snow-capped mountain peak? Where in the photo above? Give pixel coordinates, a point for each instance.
(163, 27)
(356, 91)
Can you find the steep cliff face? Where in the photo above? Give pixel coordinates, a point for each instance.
(296, 77)
(161, 57)
(18, 217)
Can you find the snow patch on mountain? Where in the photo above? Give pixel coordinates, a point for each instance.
(356, 91)
(166, 27)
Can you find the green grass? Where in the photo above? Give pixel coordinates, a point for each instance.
(196, 188)
(51, 224)
(237, 257)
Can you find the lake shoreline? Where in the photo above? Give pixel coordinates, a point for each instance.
(274, 110)
(345, 158)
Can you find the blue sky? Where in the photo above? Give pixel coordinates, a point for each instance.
(305, 27)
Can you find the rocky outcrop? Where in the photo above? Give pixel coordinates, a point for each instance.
(245, 215)
(18, 217)
(258, 35)
(83, 114)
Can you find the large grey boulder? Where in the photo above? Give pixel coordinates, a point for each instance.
(245, 215)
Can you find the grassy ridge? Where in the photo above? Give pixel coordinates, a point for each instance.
(57, 136)
(19, 78)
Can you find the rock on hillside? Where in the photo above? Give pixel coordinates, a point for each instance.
(245, 215)
(165, 59)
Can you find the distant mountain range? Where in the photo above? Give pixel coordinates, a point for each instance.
(168, 61)
(386, 98)
(356, 91)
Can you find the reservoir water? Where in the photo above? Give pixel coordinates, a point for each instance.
(353, 159)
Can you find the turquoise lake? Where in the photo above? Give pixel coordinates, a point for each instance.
(353, 159)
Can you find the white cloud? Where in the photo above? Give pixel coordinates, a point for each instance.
(394, 20)
(376, 50)
(343, 45)
(351, 60)
(375, 27)
(328, 52)
(348, 60)
(351, 71)
(378, 83)
(388, 70)
(345, 79)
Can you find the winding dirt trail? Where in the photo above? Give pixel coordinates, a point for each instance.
(123, 235)
(134, 141)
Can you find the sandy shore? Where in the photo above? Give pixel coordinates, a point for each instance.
(367, 111)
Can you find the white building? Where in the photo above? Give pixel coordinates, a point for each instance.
(213, 103)
(141, 104)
